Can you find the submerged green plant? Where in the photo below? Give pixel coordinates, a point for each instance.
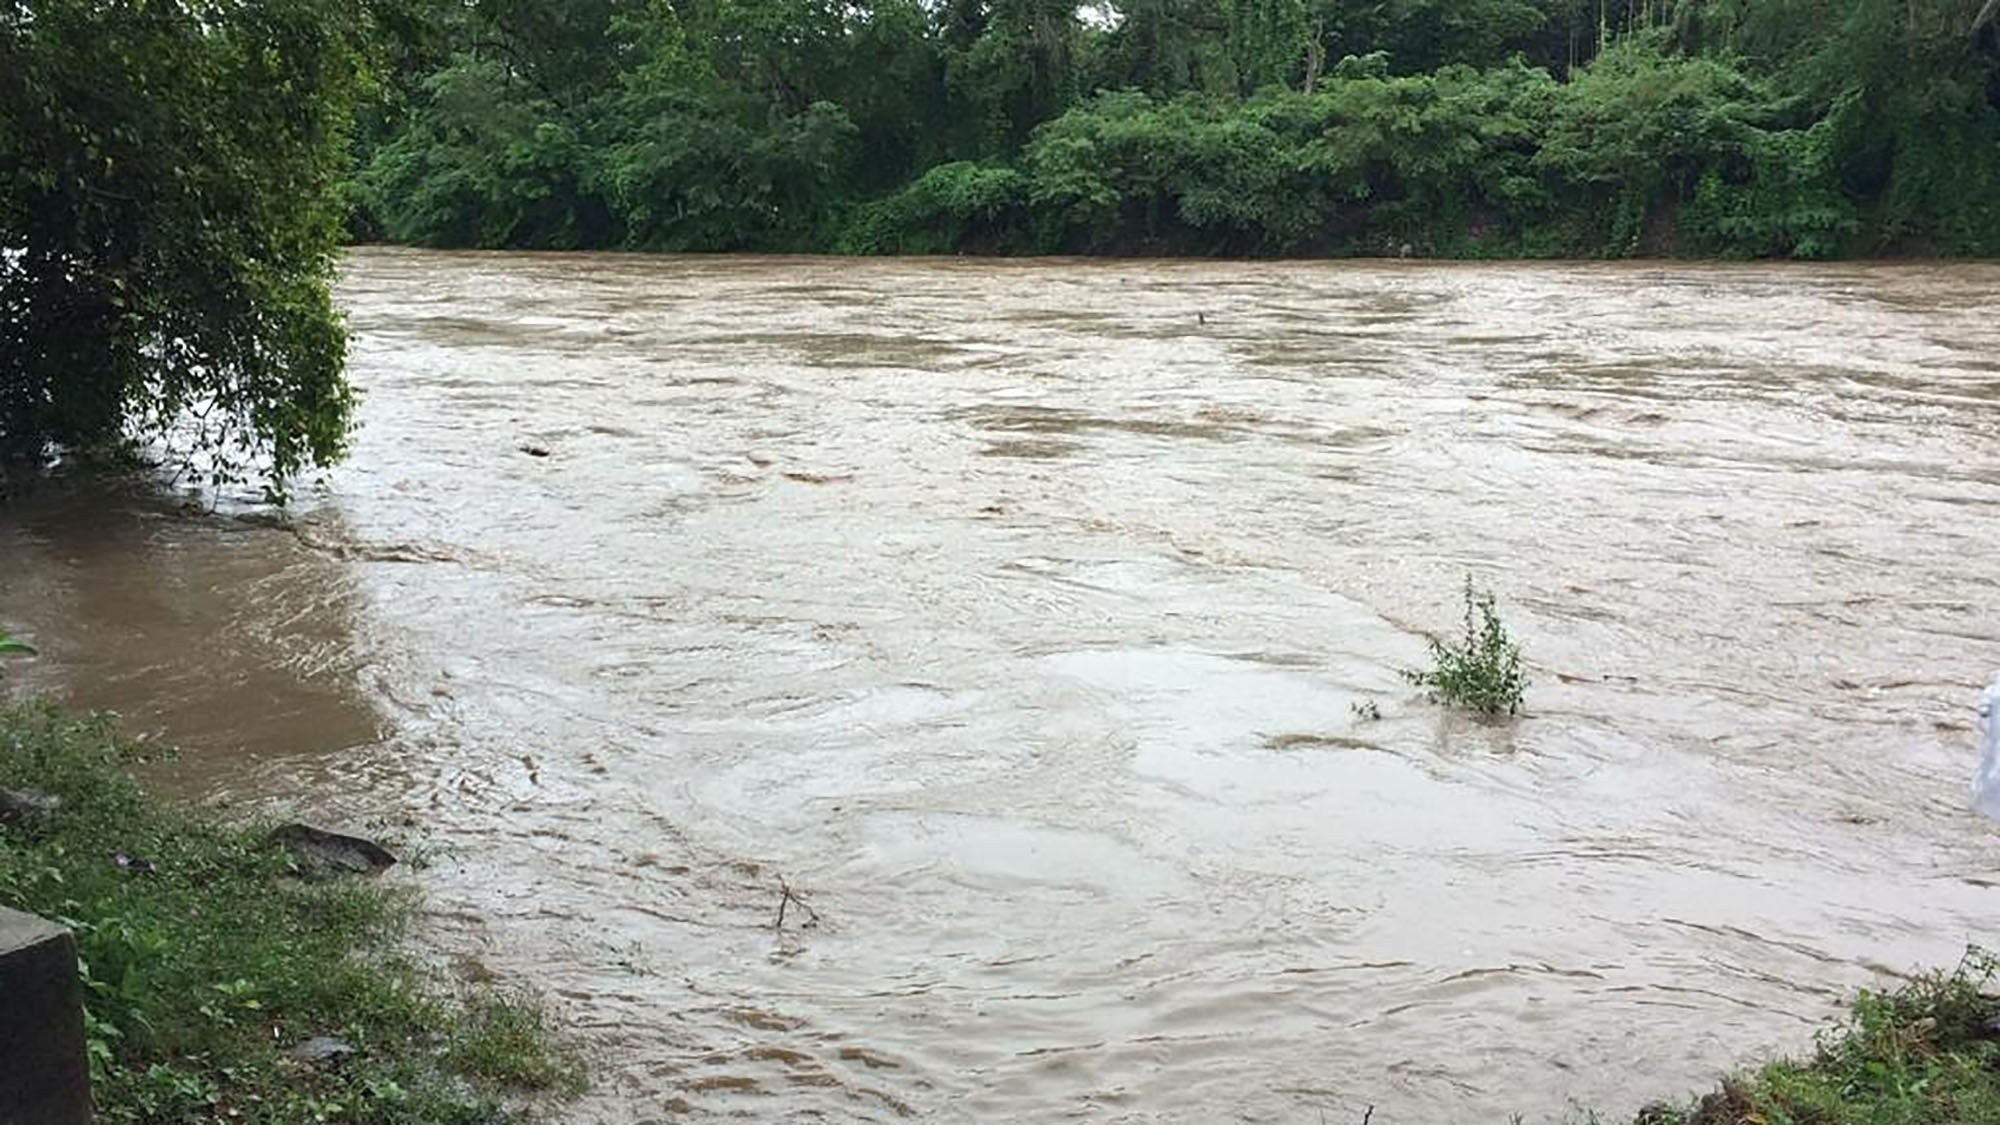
(11, 647)
(1481, 673)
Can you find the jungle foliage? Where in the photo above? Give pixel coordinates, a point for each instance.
(1780, 128)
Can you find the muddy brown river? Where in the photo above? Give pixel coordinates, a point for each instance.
(1014, 616)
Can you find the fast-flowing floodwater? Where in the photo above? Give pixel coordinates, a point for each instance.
(1014, 614)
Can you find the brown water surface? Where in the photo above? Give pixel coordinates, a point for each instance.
(1013, 614)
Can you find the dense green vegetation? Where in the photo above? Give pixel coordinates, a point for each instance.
(205, 959)
(1927, 1054)
(176, 175)
(1441, 127)
(168, 224)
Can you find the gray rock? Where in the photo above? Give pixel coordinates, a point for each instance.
(317, 847)
(27, 804)
(322, 1050)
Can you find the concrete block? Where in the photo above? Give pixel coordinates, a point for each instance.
(44, 1072)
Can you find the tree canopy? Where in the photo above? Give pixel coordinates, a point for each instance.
(1450, 127)
(169, 215)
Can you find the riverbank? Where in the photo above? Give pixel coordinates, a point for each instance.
(1925, 1054)
(220, 984)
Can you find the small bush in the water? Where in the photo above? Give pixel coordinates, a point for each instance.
(1481, 673)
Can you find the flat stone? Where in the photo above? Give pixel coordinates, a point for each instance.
(322, 1050)
(333, 851)
(46, 1076)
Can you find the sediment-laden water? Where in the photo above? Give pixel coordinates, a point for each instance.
(1012, 614)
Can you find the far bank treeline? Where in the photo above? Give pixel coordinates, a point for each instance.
(1751, 128)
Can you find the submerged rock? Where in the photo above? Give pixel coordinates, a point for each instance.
(331, 850)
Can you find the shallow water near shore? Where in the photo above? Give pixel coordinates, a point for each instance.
(1012, 615)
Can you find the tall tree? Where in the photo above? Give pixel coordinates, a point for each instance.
(168, 224)
(1011, 64)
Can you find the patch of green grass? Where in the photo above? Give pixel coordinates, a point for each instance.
(204, 961)
(1925, 1054)
(504, 1038)
(1482, 672)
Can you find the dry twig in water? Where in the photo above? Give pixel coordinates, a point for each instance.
(785, 898)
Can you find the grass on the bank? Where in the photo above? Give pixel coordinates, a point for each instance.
(203, 970)
(1926, 1054)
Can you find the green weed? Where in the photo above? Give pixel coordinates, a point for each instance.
(1483, 671)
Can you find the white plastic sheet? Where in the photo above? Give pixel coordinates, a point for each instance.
(1986, 783)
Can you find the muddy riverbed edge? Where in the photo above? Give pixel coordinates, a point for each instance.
(226, 978)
